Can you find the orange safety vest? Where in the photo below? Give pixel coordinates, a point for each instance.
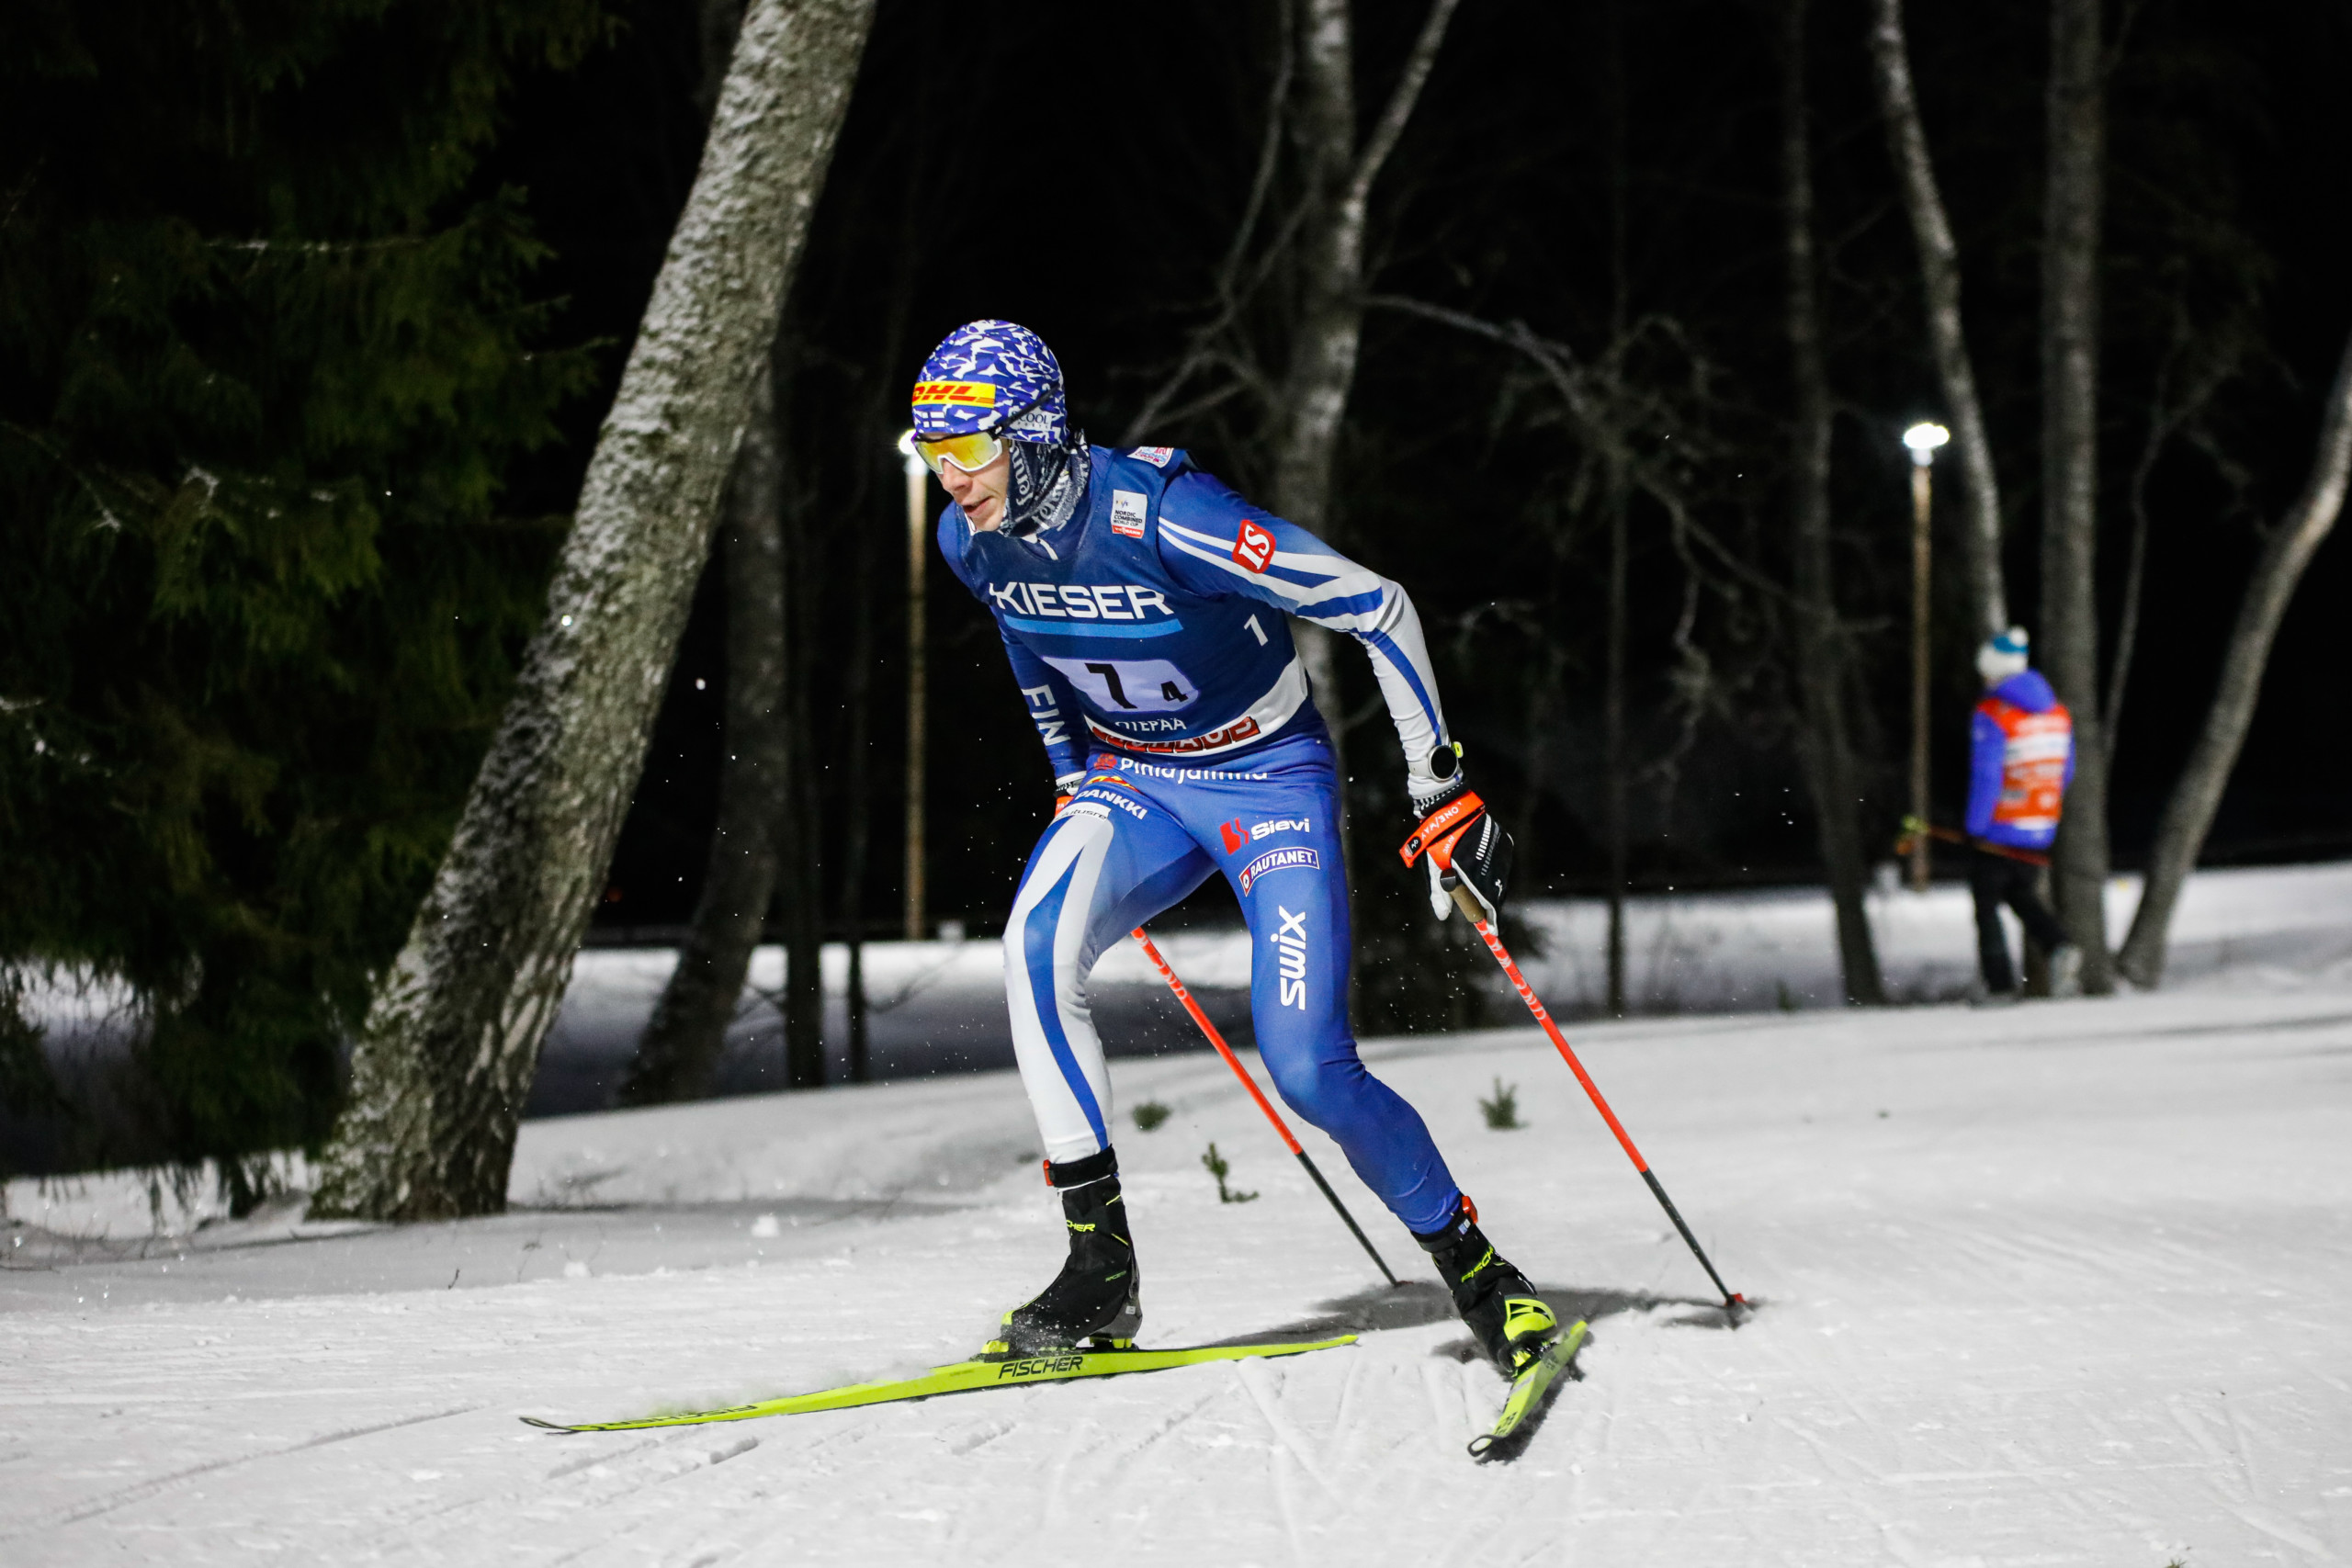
(2035, 749)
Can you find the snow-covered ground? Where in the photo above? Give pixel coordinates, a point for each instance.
(2051, 1284)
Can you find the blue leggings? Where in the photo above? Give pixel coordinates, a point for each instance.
(1135, 838)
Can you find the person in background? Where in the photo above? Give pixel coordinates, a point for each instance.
(2021, 758)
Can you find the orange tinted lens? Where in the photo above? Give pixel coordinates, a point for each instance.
(966, 452)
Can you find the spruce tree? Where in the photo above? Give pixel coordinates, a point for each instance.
(264, 355)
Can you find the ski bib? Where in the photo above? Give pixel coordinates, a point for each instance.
(2034, 752)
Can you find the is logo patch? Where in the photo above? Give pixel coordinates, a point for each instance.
(964, 394)
(1127, 513)
(1281, 860)
(1157, 457)
(1234, 841)
(1253, 546)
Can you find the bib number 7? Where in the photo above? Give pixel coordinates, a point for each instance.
(1128, 685)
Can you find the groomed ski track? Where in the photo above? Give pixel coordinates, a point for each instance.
(2054, 1284)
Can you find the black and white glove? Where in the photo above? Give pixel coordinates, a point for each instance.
(1464, 846)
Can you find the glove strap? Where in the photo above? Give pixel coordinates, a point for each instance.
(1440, 829)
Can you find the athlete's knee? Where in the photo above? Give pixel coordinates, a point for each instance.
(1033, 947)
(1028, 939)
(1326, 1093)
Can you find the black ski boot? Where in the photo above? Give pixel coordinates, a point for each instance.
(1095, 1297)
(1495, 1299)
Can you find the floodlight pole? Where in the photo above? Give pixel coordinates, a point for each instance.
(1922, 440)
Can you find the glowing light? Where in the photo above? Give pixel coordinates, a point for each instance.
(1923, 440)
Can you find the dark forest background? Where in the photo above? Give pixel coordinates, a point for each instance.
(1098, 211)
(293, 730)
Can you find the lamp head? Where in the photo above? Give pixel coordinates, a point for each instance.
(1923, 440)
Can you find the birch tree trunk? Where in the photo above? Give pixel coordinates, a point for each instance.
(686, 1035)
(1823, 742)
(452, 1038)
(2188, 815)
(1337, 177)
(1906, 145)
(2070, 325)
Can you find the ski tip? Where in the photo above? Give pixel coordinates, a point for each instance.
(1480, 1444)
(548, 1426)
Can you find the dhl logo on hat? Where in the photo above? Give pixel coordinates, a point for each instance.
(968, 394)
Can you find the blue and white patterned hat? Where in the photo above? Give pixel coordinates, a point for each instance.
(985, 374)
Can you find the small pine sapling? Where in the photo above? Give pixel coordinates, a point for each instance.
(1219, 1168)
(1149, 1114)
(1502, 1112)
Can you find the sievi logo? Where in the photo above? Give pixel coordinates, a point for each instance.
(1281, 825)
(1290, 945)
(1233, 842)
(1253, 546)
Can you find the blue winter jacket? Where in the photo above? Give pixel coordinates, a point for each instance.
(1988, 758)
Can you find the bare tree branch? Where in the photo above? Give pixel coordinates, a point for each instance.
(2188, 815)
(1906, 145)
(1270, 148)
(1399, 108)
(1232, 293)
(1598, 426)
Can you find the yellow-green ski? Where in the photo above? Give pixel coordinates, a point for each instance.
(1527, 1389)
(962, 1377)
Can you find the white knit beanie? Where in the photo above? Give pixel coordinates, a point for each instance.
(2002, 656)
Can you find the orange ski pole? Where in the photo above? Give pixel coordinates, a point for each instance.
(1468, 904)
(1250, 1084)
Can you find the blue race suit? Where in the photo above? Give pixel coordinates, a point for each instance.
(1149, 638)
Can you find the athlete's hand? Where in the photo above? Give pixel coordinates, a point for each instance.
(1466, 848)
(1064, 788)
(1481, 863)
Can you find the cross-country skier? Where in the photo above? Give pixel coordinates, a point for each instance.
(1145, 608)
(2021, 758)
